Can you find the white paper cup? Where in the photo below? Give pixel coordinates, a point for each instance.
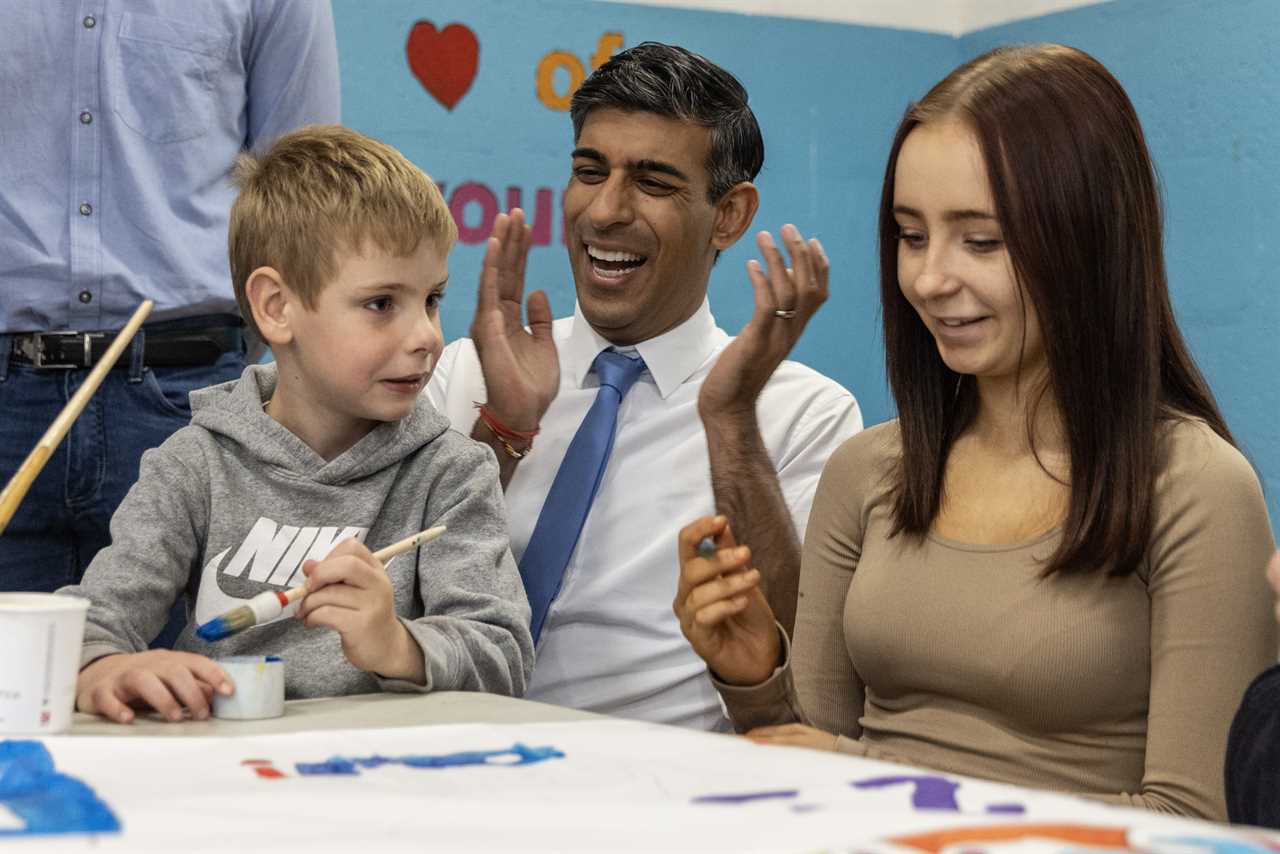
(40, 638)
(259, 681)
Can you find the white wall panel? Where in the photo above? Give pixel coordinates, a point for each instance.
(953, 17)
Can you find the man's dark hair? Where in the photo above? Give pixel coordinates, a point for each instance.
(671, 81)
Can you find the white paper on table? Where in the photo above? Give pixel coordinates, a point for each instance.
(622, 786)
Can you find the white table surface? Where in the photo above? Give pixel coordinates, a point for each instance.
(612, 785)
(361, 711)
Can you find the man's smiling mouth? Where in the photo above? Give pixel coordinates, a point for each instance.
(613, 263)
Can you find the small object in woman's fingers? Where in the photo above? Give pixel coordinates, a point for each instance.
(707, 548)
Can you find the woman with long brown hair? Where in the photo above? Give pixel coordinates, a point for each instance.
(1046, 571)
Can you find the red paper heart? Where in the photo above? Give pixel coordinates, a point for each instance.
(444, 61)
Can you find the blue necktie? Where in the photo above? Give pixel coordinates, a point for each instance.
(569, 500)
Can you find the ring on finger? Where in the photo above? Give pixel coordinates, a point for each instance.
(784, 313)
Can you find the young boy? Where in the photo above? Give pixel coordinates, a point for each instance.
(339, 252)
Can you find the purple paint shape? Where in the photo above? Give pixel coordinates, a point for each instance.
(929, 792)
(1006, 809)
(747, 797)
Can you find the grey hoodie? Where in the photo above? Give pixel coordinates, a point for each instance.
(233, 504)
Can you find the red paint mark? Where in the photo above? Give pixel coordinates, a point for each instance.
(284, 600)
(444, 61)
(263, 768)
(1095, 837)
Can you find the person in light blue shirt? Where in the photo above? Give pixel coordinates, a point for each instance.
(122, 119)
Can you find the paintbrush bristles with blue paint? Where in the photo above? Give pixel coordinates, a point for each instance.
(269, 605)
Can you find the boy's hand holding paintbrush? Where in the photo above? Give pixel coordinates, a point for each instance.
(348, 591)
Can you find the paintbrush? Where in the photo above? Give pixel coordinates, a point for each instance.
(31, 466)
(269, 605)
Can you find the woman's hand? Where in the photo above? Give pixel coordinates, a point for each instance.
(794, 735)
(721, 609)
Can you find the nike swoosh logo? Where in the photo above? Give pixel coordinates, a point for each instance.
(211, 602)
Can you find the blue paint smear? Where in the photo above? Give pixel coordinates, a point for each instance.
(335, 765)
(747, 797)
(1209, 844)
(214, 630)
(1006, 809)
(45, 800)
(351, 765)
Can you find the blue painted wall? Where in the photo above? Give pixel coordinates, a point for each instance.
(1201, 73)
(827, 97)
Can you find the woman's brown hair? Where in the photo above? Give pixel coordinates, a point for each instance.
(1076, 196)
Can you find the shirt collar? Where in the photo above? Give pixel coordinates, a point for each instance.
(671, 357)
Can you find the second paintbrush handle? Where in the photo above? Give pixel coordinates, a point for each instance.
(408, 544)
(22, 479)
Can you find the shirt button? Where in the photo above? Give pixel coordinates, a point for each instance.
(86, 118)
(86, 297)
(85, 209)
(89, 22)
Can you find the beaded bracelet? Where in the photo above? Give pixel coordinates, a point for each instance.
(505, 434)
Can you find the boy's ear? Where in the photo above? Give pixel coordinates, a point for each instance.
(734, 213)
(270, 300)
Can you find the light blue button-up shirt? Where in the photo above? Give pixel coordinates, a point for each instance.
(119, 123)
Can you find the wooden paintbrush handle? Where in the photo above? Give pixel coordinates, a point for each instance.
(408, 543)
(383, 555)
(21, 481)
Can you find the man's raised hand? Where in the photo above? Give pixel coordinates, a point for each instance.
(520, 365)
(785, 299)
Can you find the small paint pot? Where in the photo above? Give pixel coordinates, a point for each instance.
(259, 682)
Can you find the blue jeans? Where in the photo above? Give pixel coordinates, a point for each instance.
(63, 521)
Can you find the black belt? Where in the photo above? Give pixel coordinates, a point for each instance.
(186, 346)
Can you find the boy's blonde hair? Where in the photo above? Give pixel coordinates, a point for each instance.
(321, 188)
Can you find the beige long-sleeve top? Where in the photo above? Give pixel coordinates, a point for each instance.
(962, 658)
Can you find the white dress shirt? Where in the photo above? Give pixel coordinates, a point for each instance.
(611, 642)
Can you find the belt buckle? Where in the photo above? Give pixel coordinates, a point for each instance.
(38, 356)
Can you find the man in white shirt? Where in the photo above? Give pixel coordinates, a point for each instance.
(665, 152)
